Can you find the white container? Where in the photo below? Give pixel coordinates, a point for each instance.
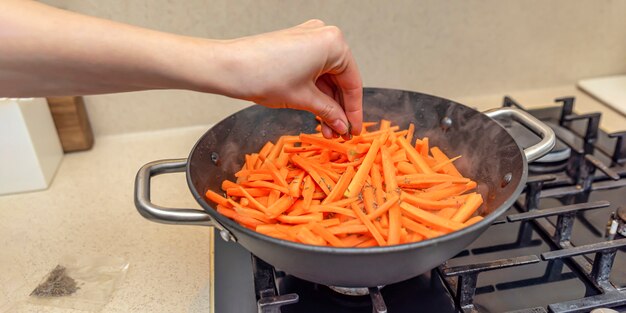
(30, 150)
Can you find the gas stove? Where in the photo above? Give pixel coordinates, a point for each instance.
(560, 248)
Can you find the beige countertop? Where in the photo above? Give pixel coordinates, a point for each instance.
(89, 210)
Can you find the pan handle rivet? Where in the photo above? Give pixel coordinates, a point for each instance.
(226, 236)
(445, 123)
(215, 158)
(506, 179)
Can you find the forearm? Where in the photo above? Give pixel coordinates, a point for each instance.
(46, 51)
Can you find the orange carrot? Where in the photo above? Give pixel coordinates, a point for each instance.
(213, 196)
(468, 208)
(429, 219)
(416, 159)
(375, 233)
(359, 178)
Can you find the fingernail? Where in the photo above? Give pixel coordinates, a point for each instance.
(339, 127)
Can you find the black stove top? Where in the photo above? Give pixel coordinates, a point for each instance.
(559, 249)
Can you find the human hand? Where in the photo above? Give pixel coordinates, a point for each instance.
(307, 67)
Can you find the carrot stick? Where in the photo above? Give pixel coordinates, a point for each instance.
(424, 147)
(307, 192)
(440, 157)
(394, 225)
(252, 200)
(377, 183)
(301, 219)
(433, 178)
(337, 192)
(359, 178)
(468, 208)
(473, 220)
(230, 213)
(325, 234)
(410, 132)
(275, 174)
(346, 149)
(419, 228)
(280, 206)
(383, 208)
(294, 185)
(406, 168)
(429, 219)
(379, 238)
(265, 150)
(426, 204)
(441, 165)
(446, 213)
(388, 171)
(305, 236)
(343, 202)
(369, 243)
(416, 159)
(332, 209)
(348, 229)
(305, 165)
(215, 197)
(265, 184)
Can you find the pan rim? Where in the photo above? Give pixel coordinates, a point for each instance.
(229, 224)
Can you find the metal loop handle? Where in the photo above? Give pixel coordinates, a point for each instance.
(548, 139)
(161, 214)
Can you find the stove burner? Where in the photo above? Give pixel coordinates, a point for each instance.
(352, 291)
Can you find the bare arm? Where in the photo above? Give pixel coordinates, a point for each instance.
(47, 51)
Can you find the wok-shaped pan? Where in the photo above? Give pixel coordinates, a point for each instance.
(491, 157)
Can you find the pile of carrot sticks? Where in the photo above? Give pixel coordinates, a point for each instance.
(377, 189)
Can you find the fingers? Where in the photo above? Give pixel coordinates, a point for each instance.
(329, 111)
(312, 23)
(349, 82)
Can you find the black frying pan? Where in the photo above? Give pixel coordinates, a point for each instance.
(490, 157)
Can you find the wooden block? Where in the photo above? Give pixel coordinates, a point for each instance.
(72, 123)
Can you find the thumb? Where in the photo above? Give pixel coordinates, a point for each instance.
(328, 110)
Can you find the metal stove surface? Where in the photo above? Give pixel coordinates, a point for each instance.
(512, 276)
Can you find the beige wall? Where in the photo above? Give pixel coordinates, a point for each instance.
(448, 48)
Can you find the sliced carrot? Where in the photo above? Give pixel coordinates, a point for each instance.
(446, 213)
(473, 220)
(213, 196)
(306, 236)
(281, 205)
(419, 228)
(325, 234)
(395, 216)
(416, 159)
(440, 157)
(468, 208)
(294, 185)
(429, 219)
(252, 200)
(301, 219)
(375, 233)
(337, 192)
(382, 209)
(427, 204)
(410, 132)
(359, 178)
(305, 165)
